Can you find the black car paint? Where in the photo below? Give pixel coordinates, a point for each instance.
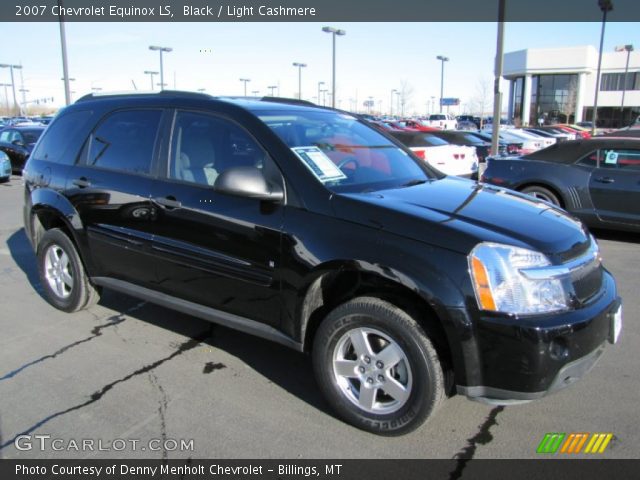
(279, 267)
(600, 197)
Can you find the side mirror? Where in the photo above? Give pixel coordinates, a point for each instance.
(17, 143)
(248, 182)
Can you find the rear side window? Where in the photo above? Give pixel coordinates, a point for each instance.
(125, 141)
(57, 140)
(627, 159)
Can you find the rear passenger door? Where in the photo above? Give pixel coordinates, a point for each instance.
(615, 186)
(214, 249)
(110, 188)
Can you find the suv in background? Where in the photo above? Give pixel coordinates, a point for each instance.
(441, 121)
(306, 226)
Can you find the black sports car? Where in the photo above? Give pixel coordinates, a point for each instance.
(597, 180)
(17, 142)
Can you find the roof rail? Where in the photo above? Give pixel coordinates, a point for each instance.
(180, 93)
(291, 101)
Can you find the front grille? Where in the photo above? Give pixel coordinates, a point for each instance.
(586, 273)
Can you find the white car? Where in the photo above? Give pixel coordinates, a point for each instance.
(529, 145)
(546, 141)
(450, 159)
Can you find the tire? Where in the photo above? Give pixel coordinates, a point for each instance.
(404, 392)
(542, 193)
(62, 273)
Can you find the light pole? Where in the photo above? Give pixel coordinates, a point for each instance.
(272, 88)
(628, 49)
(398, 102)
(161, 50)
(202, 90)
(605, 6)
(65, 62)
(319, 85)
(300, 67)
(334, 32)
(370, 103)
(245, 81)
(442, 59)
(255, 92)
(6, 96)
(151, 74)
(96, 89)
(67, 81)
(391, 103)
(13, 83)
(23, 105)
(433, 104)
(324, 97)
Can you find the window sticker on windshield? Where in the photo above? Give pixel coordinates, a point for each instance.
(319, 164)
(612, 157)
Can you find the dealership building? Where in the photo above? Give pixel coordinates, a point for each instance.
(557, 85)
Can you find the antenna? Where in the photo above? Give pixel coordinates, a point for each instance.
(134, 84)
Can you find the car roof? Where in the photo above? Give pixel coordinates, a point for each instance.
(171, 97)
(571, 150)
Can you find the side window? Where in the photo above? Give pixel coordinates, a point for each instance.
(6, 135)
(125, 141)
(204, 146)
(590, 159)
(627, 159)
(60, 135)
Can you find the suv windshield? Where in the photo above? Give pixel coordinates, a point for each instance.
(343, 153)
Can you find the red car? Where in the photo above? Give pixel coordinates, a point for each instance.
(412, 124)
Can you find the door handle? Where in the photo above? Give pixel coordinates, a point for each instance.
(168, 202)
(81, 182)
(604, 179)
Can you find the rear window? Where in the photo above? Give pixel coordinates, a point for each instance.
(125, 141)
(65, 131)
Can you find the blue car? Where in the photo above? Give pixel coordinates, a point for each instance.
(5, 167)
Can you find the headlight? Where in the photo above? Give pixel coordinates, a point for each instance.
(514, 280)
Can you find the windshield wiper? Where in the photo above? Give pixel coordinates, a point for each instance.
(415, 181)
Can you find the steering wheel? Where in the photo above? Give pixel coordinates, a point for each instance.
(347, 160)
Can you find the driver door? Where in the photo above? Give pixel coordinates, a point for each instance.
(214, 249)
(614, 186)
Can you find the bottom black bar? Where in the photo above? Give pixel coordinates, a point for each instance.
(543, 469)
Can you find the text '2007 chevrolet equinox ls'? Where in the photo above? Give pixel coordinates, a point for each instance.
(305, 226)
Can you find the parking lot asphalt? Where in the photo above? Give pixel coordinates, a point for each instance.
(127, 372)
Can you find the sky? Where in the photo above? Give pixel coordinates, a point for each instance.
(372, 58)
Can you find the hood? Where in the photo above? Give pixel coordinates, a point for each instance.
(457, 214)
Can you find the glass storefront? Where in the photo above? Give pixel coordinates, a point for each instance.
(518, 100)
(553, 99)
(613, 117)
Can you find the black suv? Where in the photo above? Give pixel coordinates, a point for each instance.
(306, 226)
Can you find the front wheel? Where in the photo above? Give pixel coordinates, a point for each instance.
(377, 367)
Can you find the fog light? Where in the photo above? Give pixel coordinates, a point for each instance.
(558, 349)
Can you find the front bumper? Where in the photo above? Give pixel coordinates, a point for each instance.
(518, 360)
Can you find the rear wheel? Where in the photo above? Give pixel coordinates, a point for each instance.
(377, 367)
(62, 274)
(542, 193)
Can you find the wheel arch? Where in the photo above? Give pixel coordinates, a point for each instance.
(339, 282)
(48, 209)
(540, 183)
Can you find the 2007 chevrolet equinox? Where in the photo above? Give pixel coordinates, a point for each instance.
(305, 226)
